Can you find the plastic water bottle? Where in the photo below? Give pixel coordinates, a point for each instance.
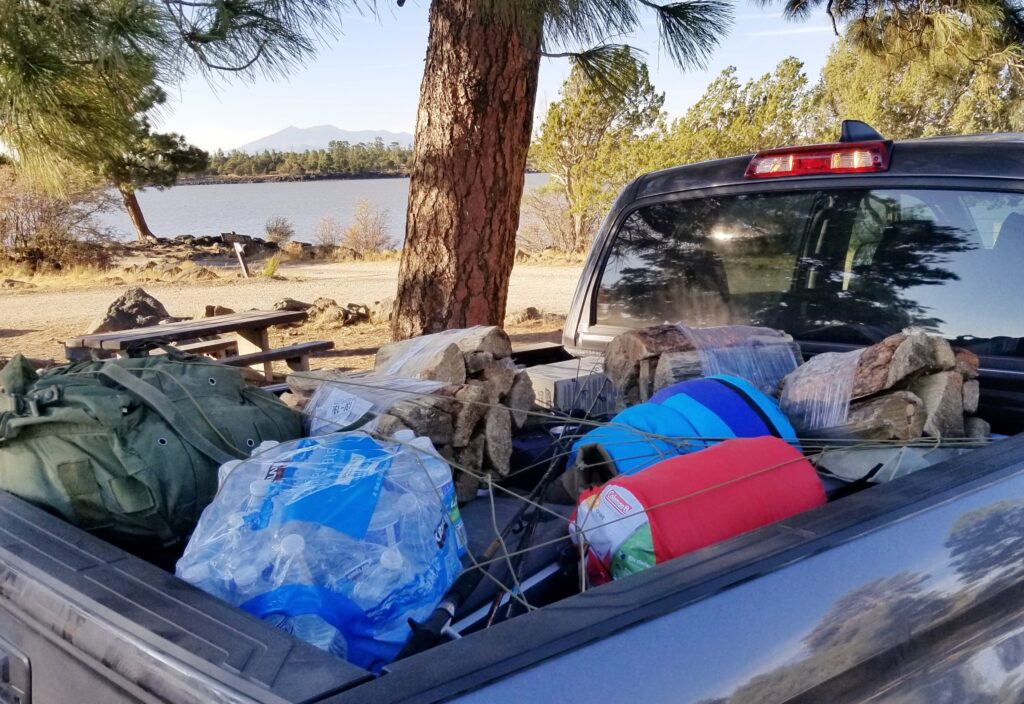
(312, 629)
(425, 460)
(391, 572)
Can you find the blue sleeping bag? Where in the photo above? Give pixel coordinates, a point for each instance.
(686, 417)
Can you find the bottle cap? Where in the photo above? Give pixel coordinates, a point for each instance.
(245, 576)
(404, 435)
(292, 544)
(391, 559)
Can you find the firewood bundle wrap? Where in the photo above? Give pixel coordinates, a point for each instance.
(905, 387)
(469, 418)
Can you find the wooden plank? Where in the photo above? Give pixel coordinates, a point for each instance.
(293, 354)
(254, 341)
(187, 329)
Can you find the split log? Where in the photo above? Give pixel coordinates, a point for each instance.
(624, 353)
(967, 363)
(474, 400)
(520, 398)
(977, 428)
(899, 415)
(498, 434)
(388, 425)
(498, 377)
(674, 367)
(470, 457)
(897, 359)
(972, 396)
(429, 416)
(490, 339)
(943, 399)
(476, 361)
(443, 363)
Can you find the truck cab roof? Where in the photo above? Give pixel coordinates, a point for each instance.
(995, 156)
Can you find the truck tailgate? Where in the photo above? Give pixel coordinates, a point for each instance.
(95, 624)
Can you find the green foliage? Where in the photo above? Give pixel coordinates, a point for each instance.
(931, 95)
(270, 266)
(589, 143)
(279, 229)
(731, 118)
(338, 159)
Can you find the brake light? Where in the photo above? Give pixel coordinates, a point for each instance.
(854, 158)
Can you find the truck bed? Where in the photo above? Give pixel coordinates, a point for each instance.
(100, 625)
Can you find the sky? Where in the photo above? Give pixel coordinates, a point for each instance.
(368, 77)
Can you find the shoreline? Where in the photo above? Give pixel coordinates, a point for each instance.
(285, 178)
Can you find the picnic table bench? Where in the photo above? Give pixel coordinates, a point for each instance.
(250, 329)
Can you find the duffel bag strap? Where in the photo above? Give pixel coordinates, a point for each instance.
(156, 401)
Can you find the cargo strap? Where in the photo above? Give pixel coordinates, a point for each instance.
(163, 407)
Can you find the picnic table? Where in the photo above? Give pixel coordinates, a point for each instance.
(250, 328)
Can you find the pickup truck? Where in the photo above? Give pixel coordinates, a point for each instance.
(908, 591)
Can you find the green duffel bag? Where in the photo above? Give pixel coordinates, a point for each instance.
(129, 448)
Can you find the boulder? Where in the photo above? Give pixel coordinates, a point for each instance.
(133, 309)
(897, 359)
(292, 304)
(382, 310)
(209, 311)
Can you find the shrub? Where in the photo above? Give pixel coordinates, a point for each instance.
(270, 266)
(328, 232)
(42, 231)
(279, 229)
(369, 229)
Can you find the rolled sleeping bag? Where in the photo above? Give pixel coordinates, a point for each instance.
(748, 412)
(623, 446)
(691, 501)
(716, 408)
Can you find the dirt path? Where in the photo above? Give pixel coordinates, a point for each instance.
(35, 322)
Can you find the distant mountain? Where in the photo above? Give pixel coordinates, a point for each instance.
(304, 139)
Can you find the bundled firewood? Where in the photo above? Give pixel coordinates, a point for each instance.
(643, 361)
(469, 413)
(907, 386)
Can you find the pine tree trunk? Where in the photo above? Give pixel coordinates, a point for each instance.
(472, 136)
(134, 210)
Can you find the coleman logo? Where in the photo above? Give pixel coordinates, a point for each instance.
(618, 503)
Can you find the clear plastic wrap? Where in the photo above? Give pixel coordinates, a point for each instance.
(339, 540)
(417, 354)
(817, 394)
(358, 400)
(762, 356)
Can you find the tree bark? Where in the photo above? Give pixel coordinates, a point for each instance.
(134, 210)
(473, 132)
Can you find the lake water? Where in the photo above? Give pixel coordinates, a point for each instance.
(245, 207)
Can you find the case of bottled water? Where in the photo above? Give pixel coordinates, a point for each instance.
(337, 539)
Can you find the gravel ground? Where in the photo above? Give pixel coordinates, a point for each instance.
(36, 321)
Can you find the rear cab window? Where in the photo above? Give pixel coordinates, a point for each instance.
(845, 265)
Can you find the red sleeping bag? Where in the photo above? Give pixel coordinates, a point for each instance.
(691, 501)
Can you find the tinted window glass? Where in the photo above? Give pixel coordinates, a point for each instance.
(844, 265)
